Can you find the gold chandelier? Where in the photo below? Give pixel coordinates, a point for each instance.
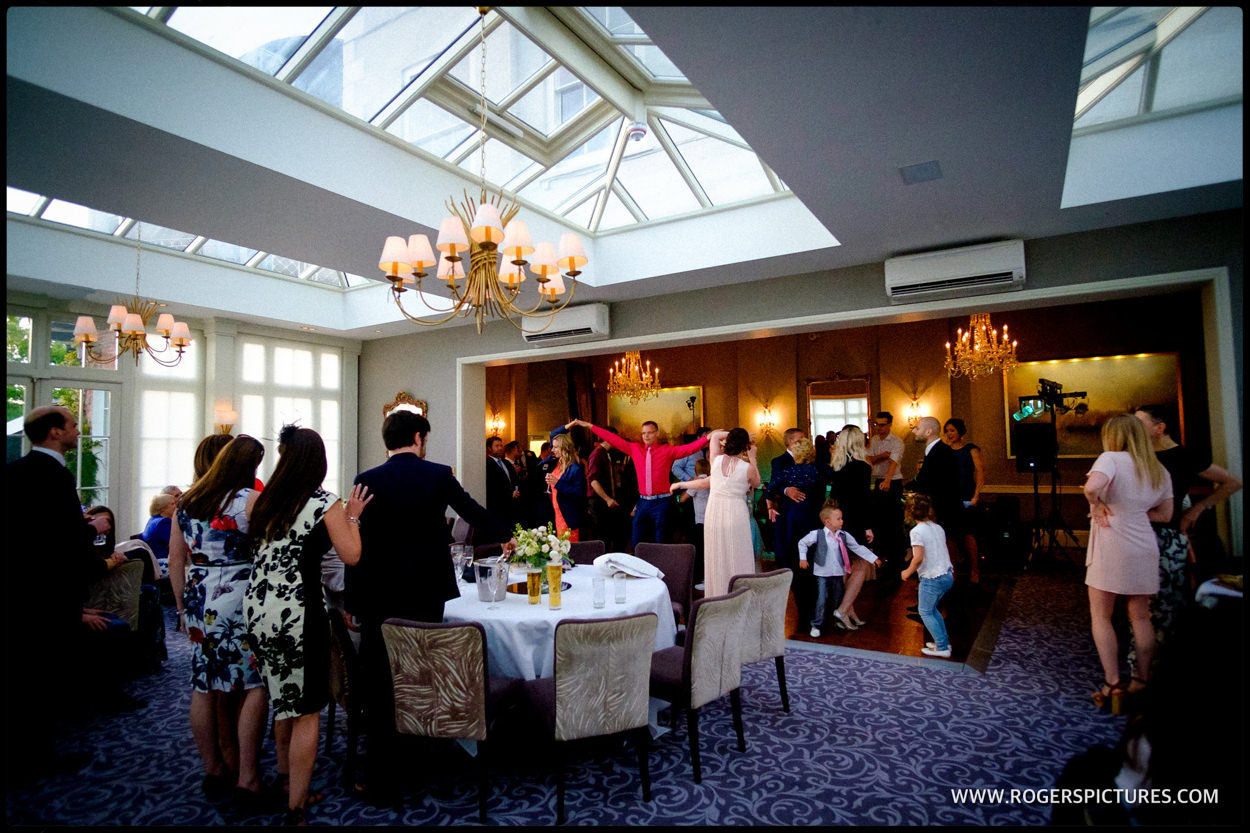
(128, 321)
(484, 230)
(629, 377)
(979, 351)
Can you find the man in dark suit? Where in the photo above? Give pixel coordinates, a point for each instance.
(51, 562)
(781, 501)
(939, 477)
(405, 569)
(503, 491)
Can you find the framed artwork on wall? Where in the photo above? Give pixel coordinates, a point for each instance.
(677, 411)
(1111, 384)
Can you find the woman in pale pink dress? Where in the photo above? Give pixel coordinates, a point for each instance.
(728, 549)
(1127, 488)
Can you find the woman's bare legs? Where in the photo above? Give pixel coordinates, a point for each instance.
(204, 730)
(226, 706)
(1101, 606)
(253, 716)
(282, 742)
(859, 570)
(304, 730)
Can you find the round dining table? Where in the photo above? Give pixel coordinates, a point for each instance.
(520, 637)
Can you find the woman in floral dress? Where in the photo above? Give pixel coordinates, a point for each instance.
(209, 568)
(295, 522)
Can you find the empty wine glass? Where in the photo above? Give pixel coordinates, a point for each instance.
(459, 555)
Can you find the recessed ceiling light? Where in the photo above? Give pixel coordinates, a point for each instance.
(309, 329)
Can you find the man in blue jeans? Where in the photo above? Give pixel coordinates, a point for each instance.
(652, 462)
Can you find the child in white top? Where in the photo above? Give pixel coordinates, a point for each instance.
(932, 561)
(828, 565)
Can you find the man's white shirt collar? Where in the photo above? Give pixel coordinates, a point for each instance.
(60, 458)
(930, 445)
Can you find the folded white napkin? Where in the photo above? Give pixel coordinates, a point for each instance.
(632, 565)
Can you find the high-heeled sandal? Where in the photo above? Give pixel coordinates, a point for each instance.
(1108, 698)
(295, 817)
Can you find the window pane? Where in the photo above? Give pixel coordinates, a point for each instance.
(17, 339)
(63, 351)
(503, 163)
(252, 419)
(253, 362)
(168, 438)
(651, 178)
(292, 367)
(511, 58)
(615, 214)
(186, 370)
(259, 36)
(226, 251)
(291, 410)
(727, 172)
(89, 462)
(15, 413)
(557, 99)
(1123, 101)
(330, 371)
(166, 238)
(655, 61)
(1203, 62)
(79, 216)
(574, 172)
(431, 128)
(19, 201)
(328, 428)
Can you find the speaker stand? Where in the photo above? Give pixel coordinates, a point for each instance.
(1046, 546)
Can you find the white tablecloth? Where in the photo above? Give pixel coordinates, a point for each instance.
(520, 637)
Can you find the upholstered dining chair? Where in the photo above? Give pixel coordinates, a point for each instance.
(117, 592)
(151, 568)
(443, 687)
(600, 687)
(344, 692)
(585, 552)
(764, 624)
(676, 561)
(706, 668)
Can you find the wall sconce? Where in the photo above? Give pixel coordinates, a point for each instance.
(496, 424)
(914, 412)
(767, 422)
(225, 421)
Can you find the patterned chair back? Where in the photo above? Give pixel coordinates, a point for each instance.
(439, 676)
(676, 561)
(764, 624)
(713, 661)
(602, 675)
(118, 592)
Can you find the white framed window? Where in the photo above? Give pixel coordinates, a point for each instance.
(832, 413)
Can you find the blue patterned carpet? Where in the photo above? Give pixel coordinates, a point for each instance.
(867, 742)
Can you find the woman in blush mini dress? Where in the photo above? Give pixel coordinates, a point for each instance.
(1127, 488)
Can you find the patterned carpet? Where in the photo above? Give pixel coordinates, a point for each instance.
(867, 742)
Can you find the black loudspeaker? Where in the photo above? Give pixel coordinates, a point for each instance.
(1035, 446)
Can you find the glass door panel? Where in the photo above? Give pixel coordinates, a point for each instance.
(92, 462)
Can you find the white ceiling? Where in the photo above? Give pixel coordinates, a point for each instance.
(834, 100)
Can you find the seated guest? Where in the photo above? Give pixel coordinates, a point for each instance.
(105, 542)
(160, 522)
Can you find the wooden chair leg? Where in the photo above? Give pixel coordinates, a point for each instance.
(692, 720)
(482, 785)
(735, 699)
(642, 739)
(781, 681)
(353, 748)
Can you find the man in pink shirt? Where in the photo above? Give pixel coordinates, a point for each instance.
(653, 462)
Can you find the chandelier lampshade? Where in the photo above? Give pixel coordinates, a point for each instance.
(497, 247)
(630, 378)
(980, 351)
(128, 324)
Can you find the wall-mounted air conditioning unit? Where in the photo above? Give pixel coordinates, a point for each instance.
(588, 322)
(955, 273)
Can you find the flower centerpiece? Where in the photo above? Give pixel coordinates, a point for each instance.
(536, 547)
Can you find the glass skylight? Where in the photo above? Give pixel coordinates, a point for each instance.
(416, 72)
(167, 238)
(72, 214)
(19, 201)
(263, 37)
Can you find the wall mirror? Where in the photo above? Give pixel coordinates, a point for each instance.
(833, 403)
(404, 402)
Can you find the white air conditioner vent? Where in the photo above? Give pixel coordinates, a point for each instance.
(588, 322)
(955, 273)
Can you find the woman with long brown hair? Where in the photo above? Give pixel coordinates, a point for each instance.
(294, 523)
(1127, 489)
(209, 568)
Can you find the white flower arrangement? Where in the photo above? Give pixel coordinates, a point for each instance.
(539, 546)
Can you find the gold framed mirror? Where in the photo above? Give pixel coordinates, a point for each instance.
(404, 401)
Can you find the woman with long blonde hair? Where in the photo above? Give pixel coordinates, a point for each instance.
(568, 485)
(1127, 488)
(852, 489)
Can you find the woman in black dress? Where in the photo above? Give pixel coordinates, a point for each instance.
(852, 489)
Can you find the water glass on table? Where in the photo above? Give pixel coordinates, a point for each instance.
(618, 584)
(600, 588)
